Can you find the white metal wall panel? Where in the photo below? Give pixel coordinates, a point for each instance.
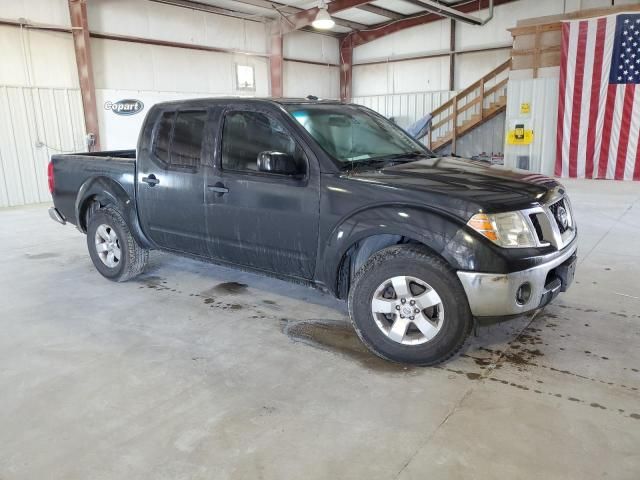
(53, 12)
(36, 123)
(142, 18)
(132, 66)
(302, 79)
(32, 57)
(506, 16)
(426, 74)
(312, 47)
(420, 40)
(542, 96)
(471, 66)
(405, 108)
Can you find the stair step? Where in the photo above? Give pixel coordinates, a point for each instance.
(467, 101)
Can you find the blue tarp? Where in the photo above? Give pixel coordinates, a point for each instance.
(420, 128)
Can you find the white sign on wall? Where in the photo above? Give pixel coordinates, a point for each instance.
(121, 114)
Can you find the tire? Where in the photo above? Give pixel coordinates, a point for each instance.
(449, 321)
(108, 232)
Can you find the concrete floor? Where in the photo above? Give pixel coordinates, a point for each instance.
(181, 374)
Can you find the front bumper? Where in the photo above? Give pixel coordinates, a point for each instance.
(494, 295)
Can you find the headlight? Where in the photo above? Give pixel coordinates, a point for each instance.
(509, 229)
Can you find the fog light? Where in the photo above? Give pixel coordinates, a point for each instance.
(523, 295)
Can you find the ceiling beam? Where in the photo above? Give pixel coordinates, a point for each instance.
(381, 11)
(365, 36)
(304, 18)
(275, 6)
(204, 7)
(283, 10)
(448, 11)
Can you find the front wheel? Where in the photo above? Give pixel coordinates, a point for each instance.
(407, 305)
(113, 250)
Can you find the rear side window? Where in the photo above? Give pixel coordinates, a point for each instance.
(179, 137)
(187, 139)
(163, 137)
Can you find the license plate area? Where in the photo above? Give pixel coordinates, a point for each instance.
(566, 272)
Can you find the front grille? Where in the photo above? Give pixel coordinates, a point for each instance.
(556, 210)
(536, 224)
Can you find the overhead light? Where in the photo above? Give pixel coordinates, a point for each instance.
(323, 20)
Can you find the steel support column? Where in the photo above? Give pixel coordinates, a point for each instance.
(452, 55)
(346, 68)
(82, 46)
(276, 64)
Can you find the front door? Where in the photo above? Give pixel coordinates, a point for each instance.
(262, 220)
(171, 182)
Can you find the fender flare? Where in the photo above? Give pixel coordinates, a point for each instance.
(107, 191)
(446, 236)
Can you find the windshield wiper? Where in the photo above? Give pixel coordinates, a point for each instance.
(386, 160)
(351, 166)
(409, 156)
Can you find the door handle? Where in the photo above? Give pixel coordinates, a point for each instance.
(151, 180)
(218, 188)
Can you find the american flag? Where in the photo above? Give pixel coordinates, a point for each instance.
(598, 107)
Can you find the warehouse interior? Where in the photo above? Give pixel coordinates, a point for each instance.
(198, 370)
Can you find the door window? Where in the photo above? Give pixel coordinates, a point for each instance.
(246, 134)
(179, 138)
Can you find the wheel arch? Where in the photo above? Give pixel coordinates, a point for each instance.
(100, 192)
(360, 251)
(373, 229)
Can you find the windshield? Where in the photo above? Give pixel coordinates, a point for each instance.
(352, 135)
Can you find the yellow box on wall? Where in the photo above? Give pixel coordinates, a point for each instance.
(520, 136)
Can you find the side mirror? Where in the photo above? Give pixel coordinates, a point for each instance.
(277, 162)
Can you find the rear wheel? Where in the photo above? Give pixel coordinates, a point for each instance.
(407, 305)
(113, 250)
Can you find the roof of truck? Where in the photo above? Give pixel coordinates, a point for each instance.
(280, 101)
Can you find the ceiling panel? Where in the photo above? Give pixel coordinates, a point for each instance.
(399, 6)
(360, 16)
(238, 6)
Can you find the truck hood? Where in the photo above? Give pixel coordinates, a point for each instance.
(467, 185)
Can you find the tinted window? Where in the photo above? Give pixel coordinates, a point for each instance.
(246, 134)
(187, 138)
(163, 137)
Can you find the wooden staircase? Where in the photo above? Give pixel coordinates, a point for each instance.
(471, 107)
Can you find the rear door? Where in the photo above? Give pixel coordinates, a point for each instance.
(171, 181)
(262, 220)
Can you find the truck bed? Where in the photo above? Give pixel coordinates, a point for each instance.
(73, 171)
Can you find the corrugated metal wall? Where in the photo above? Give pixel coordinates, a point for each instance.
(405, 108)
(542, 96)
(35, 123)
(487, 138)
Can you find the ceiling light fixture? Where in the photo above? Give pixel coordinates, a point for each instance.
(323, 20)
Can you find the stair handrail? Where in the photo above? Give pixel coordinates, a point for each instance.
(453, 103)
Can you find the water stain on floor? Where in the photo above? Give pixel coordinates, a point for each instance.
(229, 288)
(153, 281)
(339, 337)
(41, 256)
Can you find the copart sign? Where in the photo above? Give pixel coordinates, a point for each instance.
(127, 106)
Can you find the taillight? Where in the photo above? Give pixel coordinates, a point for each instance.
(52, 182)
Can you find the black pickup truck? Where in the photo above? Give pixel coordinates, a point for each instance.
(335, 196)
